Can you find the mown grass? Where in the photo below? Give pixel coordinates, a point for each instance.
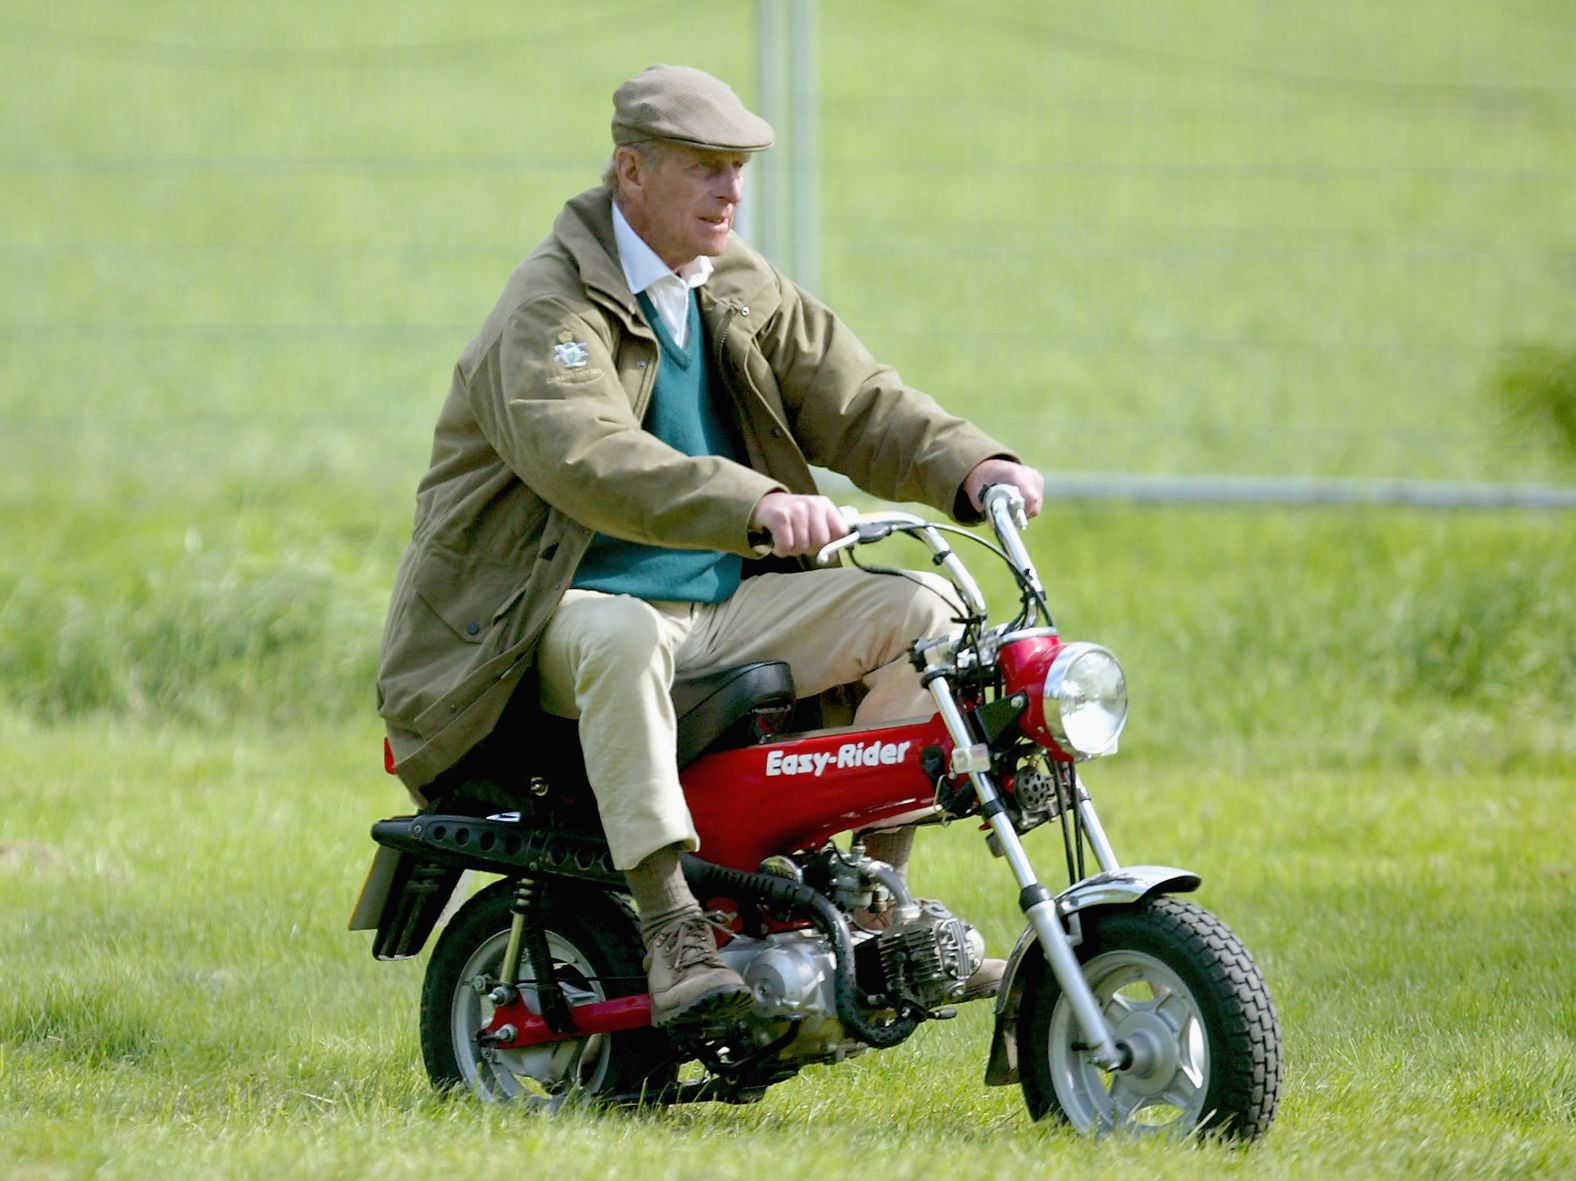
(183, 999)
(243, 247)
(1393, 845)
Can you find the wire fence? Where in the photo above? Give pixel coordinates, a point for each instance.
(1241, 218)
(1224, 490)
(1230, 491)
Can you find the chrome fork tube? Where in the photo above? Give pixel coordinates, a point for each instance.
(1094, 830)
(1038, 903)
(949, 561)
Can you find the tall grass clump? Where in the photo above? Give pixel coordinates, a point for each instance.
(1535, 387)
(214, 637)
(1332, 638)
(199, 611)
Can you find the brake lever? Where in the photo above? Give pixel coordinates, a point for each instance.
(860, 533)
(832, 548)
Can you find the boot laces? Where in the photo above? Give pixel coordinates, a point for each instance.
(686, 942)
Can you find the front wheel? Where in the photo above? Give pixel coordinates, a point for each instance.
(595, 945)
(1186, 999)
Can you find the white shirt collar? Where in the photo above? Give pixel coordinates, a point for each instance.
(641, 265)
(667, 289)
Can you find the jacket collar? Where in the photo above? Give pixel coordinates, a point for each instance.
(585, 227)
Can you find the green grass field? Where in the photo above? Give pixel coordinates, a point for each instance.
(243, 247)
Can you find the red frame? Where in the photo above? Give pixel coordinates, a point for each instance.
(798, 793)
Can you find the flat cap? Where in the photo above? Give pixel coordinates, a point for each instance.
(687, 106)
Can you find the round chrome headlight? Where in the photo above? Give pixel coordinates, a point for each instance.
(1085, 700)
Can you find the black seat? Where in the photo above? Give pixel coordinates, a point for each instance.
(723, 703)
(722, 707)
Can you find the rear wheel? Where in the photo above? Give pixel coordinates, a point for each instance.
(596, 950)
(1186, 998)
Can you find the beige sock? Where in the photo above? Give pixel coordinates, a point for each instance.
(659, 887)
(892, 846)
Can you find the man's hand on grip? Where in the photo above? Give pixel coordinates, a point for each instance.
(797, 524)
(1029, 483)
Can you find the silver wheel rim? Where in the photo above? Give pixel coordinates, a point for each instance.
(1158, 1018)
(543, 1074)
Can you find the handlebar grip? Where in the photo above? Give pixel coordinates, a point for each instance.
(1010, 498)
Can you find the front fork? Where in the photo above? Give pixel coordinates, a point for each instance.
(1038, 903)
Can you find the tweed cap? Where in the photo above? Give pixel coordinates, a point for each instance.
(686, 106)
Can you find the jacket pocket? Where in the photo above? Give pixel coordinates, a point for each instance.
(470, 596)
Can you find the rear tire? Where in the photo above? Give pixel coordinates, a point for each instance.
(1184, 993)
(595, 943)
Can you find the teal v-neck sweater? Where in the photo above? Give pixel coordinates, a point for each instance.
(683, 416)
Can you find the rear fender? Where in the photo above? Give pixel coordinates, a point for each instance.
(402, 900)
(420, 860)
(1127, 886)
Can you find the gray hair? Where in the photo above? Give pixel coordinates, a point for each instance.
(650, 152)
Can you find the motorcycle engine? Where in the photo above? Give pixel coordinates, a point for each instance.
(922, 957)
(926, 957)
(921, 953)
(792, 975)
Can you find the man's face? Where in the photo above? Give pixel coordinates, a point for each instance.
(682, 200)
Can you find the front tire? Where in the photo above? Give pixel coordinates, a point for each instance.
(595, 944)
(1185, 996)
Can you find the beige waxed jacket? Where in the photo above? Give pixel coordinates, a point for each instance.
(539, 444)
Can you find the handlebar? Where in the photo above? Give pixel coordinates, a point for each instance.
(1005, 510)
(865, 529)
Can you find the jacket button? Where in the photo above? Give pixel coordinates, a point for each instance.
(640, 364)
(777, 432)
(744, 311)
(472, 629)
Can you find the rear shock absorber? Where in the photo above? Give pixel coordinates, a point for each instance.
(528, 940)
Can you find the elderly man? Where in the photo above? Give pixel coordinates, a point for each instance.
(621, 466)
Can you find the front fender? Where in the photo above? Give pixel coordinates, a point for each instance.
(1127, 886)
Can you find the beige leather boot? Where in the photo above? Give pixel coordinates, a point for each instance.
(689, 983)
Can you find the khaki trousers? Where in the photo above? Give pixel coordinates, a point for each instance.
(610, 661)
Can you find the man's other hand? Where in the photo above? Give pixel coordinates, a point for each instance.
(1029, 483)
(797, 524)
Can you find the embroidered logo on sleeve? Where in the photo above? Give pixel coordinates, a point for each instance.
(570, 353)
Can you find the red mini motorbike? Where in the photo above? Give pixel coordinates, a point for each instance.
(1123, 1006)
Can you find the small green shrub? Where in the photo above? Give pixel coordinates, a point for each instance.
(1535, 385)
